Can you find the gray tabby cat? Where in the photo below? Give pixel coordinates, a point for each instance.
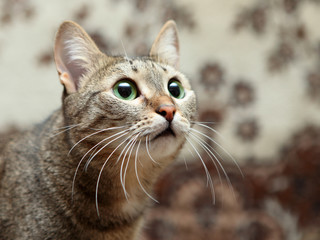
(87, 172)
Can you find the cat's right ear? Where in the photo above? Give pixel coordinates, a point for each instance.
(73, 53)
(166, 46)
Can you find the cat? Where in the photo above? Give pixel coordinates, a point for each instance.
(88, 170)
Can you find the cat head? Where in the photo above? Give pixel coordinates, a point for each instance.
(123, 102)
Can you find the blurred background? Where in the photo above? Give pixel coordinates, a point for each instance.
(255, 65)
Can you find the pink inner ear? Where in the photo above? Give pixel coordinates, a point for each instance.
(67, 82)
(76, 71)
(70, 70)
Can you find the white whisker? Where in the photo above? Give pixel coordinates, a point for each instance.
(129, 157)
(209, 153)
(185, 163)
(209, 179)
(90, 135)
(207, 147)
(210, 128)
(195, 122)
(103, 130)
(137, 174)
(100, 173)
(111, 128)
(66, 128)
(94, 150)
(124, 50)
(129, 146)
(79, 164)
(70, 126)
(193, 156)
(223, 149)
(147, 143)
(103, 147)
(125, 147)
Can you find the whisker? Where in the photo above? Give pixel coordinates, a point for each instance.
(127, 148)
(185, 163)
(193, 156)
(103, 130)
(111, 128)
(137, 174)
(210, 128)
(90, 135)
(207, 147)
(223, 149)
(129, 157)
(196, 122)
(94, 150)
(79, 164)
(101, 170)
(103, 140)
(148, 143)
(209, 179)
(66, 128)
(209, 153)
(125, 132)
(124, 50)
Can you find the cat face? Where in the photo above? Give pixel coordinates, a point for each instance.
(125, 103)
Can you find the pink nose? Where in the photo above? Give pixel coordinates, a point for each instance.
(167, 111)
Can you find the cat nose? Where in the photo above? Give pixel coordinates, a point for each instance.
(167, 111)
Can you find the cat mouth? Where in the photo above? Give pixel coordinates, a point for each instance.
(167, 132)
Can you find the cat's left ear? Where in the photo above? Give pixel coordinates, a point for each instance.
(166, 46)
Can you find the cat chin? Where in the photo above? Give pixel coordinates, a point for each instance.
(165, 145)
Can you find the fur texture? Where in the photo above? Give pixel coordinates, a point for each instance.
(87, 171)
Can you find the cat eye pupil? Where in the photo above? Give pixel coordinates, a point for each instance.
(175, 89)
(125, 89)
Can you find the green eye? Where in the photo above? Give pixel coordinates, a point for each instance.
(125, 89)
(175, 88)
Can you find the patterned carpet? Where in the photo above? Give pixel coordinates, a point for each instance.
(273, 201)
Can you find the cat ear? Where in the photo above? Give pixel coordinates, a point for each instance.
(73, 54)
(166, 46)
